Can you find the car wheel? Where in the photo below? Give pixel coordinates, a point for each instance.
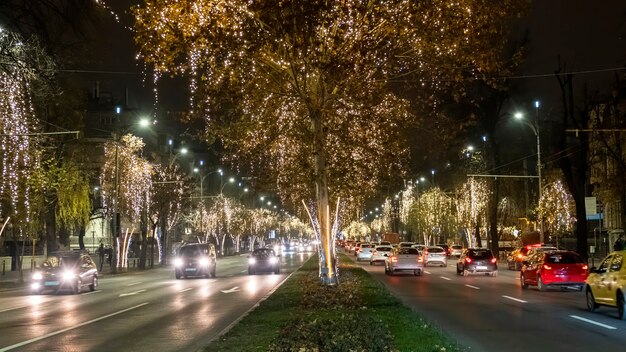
(621, 306)
(371, 262)
(94, 284)
(522, 281)
(177, 276)
(494, 274)
(591, 301)
(277, 271)
(76, 288)
(540, 285)
(250, 272)
(391, 272)
(465, 272)
(213, 271)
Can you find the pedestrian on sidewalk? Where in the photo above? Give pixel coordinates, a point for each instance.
(619, 243)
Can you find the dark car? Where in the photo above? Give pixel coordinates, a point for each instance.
(70, 271)
(263, 260)
(477, 261)
(194, 260)
(556, 268)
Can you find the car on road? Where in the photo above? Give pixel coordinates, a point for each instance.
(606, 284)
(404, 259)
(66, 271)
(554, 268)
(477, 261)
(380, 254)
(365, 251)
(420, 247)
(435, 255)
(405, 244)
(515, 259)
(445, 247)
(195, 260)
(263, 260)
(456, 250)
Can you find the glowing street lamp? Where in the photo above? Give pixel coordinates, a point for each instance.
(534, 126)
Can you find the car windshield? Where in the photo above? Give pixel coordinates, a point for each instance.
(367, 246)
(60, 261)
(457, 247)
(383, 249)
(435, 249)
(191, 251)
(408, 251)
(263, 253)
(563, 258)
(480, 254)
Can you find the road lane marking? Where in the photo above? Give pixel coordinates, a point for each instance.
(132, 293)
(427, 272)
(135, 283)
(185, 290)
(234, 289)
(515, 299)
(474, 287)
(445, 278)
(593, 322)
(14, 308)
(24, 343)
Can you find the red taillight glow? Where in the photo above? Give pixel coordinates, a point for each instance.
(469, 260)
(394, 259)
(494, 260)
(520, 256)
(420, 259)
(547, 267)
(585, 267)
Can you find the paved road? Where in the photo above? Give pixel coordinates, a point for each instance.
(147, 311)
(496, 314)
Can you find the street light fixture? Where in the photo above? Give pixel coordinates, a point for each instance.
(534, 126)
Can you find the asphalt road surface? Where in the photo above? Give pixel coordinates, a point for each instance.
(495, 314)
(145, 311)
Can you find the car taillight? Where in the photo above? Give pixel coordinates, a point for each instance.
(494, 260)
(394, 259)
(420, 259)
(547, 267)
(468, 260)
(520, 256)
(374, 253)
(585, 267)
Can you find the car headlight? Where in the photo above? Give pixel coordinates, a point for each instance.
(178, 262)
(251, 261)
(37, 276)
(68, 275)
(204, 261)
(273, 260)
(276, 248)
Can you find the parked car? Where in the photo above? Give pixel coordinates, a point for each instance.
(263, 260)
(404, 259)
(435, 255)
(606, 284)
(69, 271)
(477, 261)
(554, 268)
(195, 259)
(380, 254)
(456, 250)
(365, 252)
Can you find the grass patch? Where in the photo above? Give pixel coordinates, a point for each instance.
(357, 315)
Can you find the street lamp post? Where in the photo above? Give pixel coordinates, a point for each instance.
(535, 128)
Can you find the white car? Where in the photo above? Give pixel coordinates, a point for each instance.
(365, 253)
(404, 259)
(380, 254)
(456, 250)
(434, 255)
(419, 247)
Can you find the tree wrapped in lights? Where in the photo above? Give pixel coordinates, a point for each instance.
(557, 209)
(126, 181)
(357, 230)
(300, 90)
(171, 190)
(471, 206)
(433, 215)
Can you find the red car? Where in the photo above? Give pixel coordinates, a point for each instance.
(555, 268)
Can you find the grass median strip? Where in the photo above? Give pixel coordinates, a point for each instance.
(357, 315)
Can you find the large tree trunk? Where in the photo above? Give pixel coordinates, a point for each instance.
(328, 272)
